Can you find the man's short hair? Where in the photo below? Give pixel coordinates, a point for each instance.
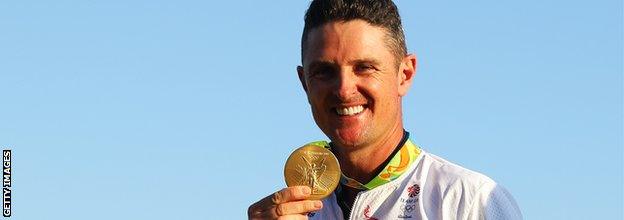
(379, 13)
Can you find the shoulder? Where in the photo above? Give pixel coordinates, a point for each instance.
(459, 192)
(444, 172)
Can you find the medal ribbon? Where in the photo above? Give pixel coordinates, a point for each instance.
(399, 163)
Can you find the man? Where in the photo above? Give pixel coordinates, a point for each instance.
(355, 71)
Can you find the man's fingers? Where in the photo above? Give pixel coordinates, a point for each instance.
(266, 206)
(293, 193)
(290, 209)
(295, 217)
(298, 207)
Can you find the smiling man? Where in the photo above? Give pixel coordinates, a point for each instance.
(355, 71)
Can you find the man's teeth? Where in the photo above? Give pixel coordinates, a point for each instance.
(350, 110)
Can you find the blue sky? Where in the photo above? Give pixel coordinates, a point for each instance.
(189, 109)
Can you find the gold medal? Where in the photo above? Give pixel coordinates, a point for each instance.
(313, 166)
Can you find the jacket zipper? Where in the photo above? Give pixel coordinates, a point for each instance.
(353, 206)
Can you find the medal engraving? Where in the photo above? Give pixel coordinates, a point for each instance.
(315, 167)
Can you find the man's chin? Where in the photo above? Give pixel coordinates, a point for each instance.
(348, 138)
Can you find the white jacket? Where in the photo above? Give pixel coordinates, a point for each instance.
(432, 188)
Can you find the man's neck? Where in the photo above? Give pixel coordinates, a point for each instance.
(361, 163)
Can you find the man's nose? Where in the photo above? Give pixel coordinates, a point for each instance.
(345, 85)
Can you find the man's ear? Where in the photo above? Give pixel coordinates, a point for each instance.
(407, 72)
(301, 74)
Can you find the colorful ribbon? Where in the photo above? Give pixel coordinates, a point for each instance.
(399, 163)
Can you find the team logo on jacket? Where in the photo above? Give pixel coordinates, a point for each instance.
(413, 190)
(409, 204)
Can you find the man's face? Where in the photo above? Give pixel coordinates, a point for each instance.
(354, 83)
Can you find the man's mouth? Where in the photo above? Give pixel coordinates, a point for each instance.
(348, 111)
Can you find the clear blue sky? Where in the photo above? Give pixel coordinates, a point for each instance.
(188, 109)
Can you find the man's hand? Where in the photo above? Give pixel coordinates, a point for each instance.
(288, 203)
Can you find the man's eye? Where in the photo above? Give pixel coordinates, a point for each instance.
(364, 68)
(321, 73)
